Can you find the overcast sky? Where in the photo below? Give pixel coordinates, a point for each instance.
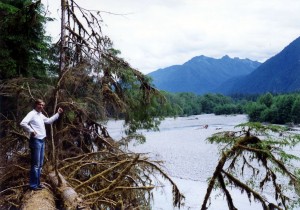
(153, 34)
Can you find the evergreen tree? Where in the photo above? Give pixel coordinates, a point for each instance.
(296, 111)
(284, 105)
(254, 111)
(266, 99)
(23, 44)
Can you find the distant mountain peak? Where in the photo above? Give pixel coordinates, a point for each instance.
(198, 58)
(225, 57)
(279, 74)
(201, 74)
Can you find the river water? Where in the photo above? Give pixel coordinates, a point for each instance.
(188, 158)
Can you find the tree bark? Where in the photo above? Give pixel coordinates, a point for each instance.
(42, 200)
(68, 195)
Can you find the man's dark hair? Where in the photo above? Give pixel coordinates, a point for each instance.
(38, 101)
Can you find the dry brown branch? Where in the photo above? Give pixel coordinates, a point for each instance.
(112, 185)
(136, 188)
(12, 188)
(92, 179)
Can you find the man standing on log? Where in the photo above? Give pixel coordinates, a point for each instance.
(34, 123)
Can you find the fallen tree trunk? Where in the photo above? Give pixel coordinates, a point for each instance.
(42, 200)
(69, 197)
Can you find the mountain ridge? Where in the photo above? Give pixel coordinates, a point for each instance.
(201, 74)
(278, 74)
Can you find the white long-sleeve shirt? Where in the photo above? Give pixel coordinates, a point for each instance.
(35, 122)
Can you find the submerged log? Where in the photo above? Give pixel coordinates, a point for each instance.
(41, 200)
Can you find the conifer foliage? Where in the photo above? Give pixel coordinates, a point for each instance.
(254, 160)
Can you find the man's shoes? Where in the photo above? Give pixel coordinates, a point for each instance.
(35, 188)
(40, 187)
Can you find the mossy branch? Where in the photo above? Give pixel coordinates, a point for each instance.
(92, 179)
(249, 191)
(114, 182)
(251, 148)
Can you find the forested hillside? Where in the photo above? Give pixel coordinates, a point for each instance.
(266, 108)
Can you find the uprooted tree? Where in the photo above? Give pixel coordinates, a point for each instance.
(83, 74)
(254, 160)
